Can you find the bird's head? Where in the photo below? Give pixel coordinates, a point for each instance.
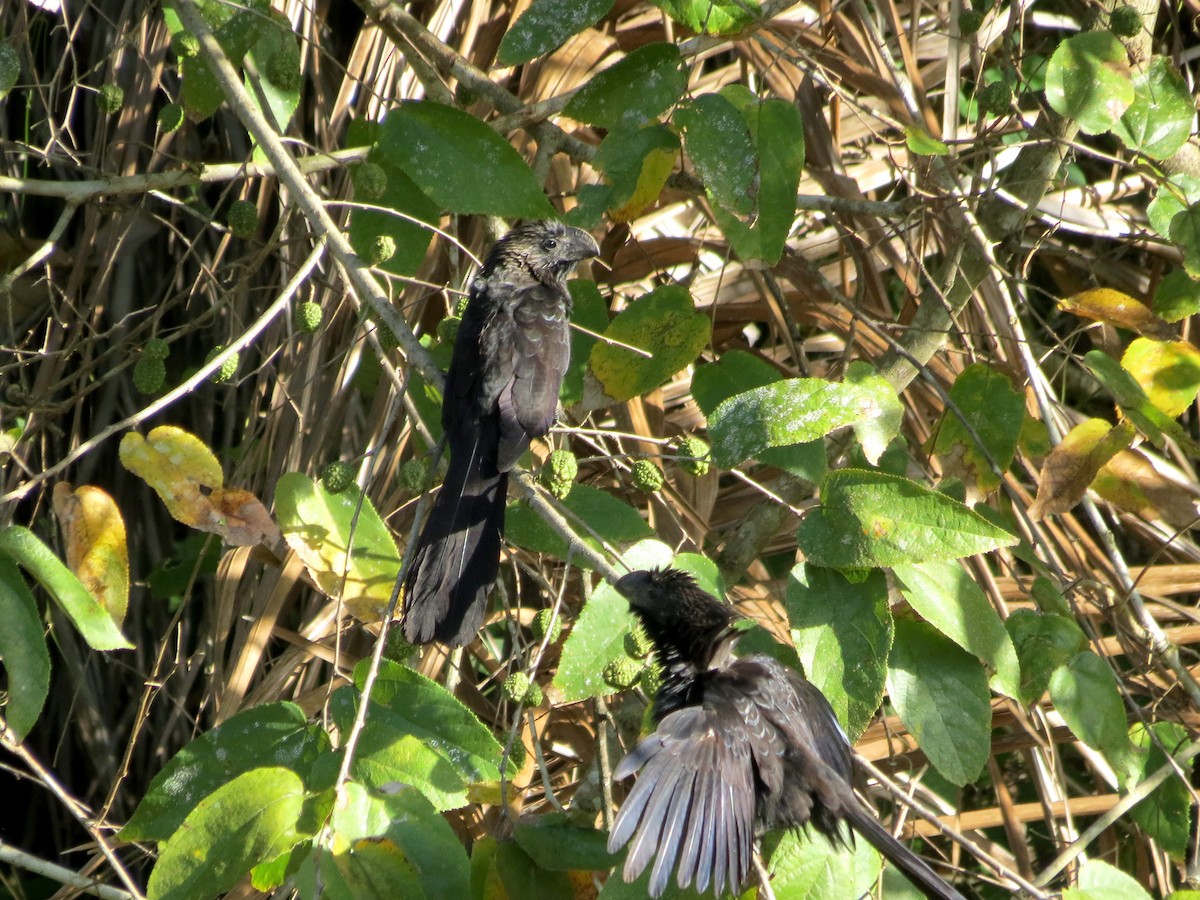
(548, 249)
(681, 619)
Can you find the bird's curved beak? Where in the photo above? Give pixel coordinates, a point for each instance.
(581, 245)
(630, 586)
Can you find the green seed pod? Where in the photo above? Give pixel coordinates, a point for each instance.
(149, 374)
(228, 368)
(637, 643)
(1125, 21)
(414, 473)
(185, 45)
(283, 68)
(995, 99)
(622, 673)
(156, 348)
(652, 679)
(369, 180)
(170, 117)
(387, 339)
(309, 315)
(110, 99)
(398, 649)
(242, 218)
(695, 454)
(381, 250)
(519, 688)
(559, 473)
(542, 621)
(337, 476)
(447, 329)
(646, 476)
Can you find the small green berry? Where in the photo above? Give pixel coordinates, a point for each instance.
(283, 68)
(149, 374)
(110, 99)
(519, 688)
(369, 180)
(541, 622)
(1125, 21)
(309, 315)
(414, 474)
(228, 368)
(156, 348)
(694, 454)
(646, 476)
(460, 308)
(170, 117)
(995, 99)
(559, 473)
(652, 679)
(387, 339)
(398, 649)
(242, 218)
(447, 329)
(337, 476)
(622, 673)
(637, 643)
(185, 44)
(381, 250)
(969, 22)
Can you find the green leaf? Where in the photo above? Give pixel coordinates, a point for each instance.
(545, 25)
(718, 142)
(636, 162)
(522, 878)
(663, 322)
(1159, 121)
(922, 143)
(875, 434)
(1134, 403)
(250, 819)
(843, 634)
(638, 88)
(793, 411)
(344, 544)
(598, 635)
(941, 694)
(712, 16)
(1166, 815)
(10, 68)
(1171, 198)
(556, 844)
(94, 622)
(23, 651)
(985, 399)
(274, 734)
(950, 600)
(388, 843)
(1177, 297)
(201, 94)
(590, 311)
(737, 372)
(1185, 231)
(460, 163)
(601, 512)
(1100, 881)
(418, 733)
(1044, 641)
(412, 239)
(1086, 696)
(803, 863)
(1088, 80)
(871, 519)
(281, 102)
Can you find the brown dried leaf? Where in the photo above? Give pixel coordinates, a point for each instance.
(1072, 465)
(1131, 482)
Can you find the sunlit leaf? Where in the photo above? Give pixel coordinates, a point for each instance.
(711, 16)
(545, 25)
(1075, 462)
(1159, 121)
(342, 541)
(1177, 297)
(1119, 309)
(1100, 881)
(1131, 482)
(803, 863)
(401, 195)
(1085, 694)
(1167, 814)
(1044, 641)
(1185, 232)
(639, 87)
(96, 550)
(589, 510)
(1168, 371)
(988, 411)
(1088, 80)
(636, 162)
(922, 143)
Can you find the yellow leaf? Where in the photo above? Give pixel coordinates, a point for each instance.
(1168, 371)
(1072, 465)
(94, 535)
(1121, 310)
(656, 167)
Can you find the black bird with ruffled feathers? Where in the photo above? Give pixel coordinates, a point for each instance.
(740, 745)
(509, 359)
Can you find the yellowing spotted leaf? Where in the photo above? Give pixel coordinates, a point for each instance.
(1119, 309)
(1168, 371)
(94, 535)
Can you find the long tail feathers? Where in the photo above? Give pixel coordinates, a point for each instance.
(914, 868)
(457, 556)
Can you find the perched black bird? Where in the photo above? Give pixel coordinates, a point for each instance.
(509, 360)
(740, 745)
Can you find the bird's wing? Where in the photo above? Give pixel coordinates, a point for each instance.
(692, 807)
(538, 355)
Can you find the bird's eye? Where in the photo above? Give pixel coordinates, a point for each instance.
(549, 244)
